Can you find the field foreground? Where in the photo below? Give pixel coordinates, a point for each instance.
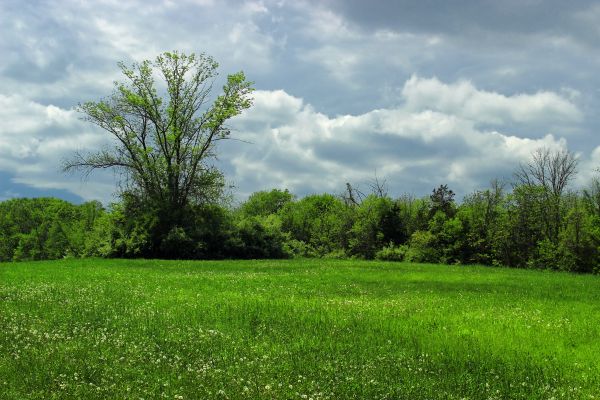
(302, 329)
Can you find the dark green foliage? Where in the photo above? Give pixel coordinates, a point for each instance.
(133, 225)
(215, 233)
(200, 232)
(45, 228)
(320, 221)
(442, 199)
(480, 214)
(38, 229)
(57, 244)
(259, 238)
(376, 222)
(489, 227)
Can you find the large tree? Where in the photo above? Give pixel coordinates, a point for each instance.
(166, 131)
(165, 126)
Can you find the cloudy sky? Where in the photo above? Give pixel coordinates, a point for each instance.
(419, 93)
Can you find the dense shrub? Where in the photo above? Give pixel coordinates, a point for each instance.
(376, 222)
(423, 248)
(320, 221)
(295, 248)
(259, 238)
(392, 252)
(265, 203)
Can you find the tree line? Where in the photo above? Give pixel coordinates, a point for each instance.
(535, 222)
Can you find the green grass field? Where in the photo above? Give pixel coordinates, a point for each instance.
(301, 329)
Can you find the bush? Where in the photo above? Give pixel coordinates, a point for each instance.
(367, 232)
(392, 252)
(320, 221)
(178, 245)
(423, 248)
(132, 230)
(545, 256)
(259, 239)
(295, 248)
(99, 240)
(263, 204)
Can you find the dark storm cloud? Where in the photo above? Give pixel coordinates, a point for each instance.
(462, 18)
(377, 149)
(29, 56)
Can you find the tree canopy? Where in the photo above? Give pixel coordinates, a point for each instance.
(166, 131)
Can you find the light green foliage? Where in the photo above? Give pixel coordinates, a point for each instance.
(166, 140)
(449, 238)
(98, 241)
(295, 248)
(114, 329)
(579, 240)
(265, 203)
(488, 227)
(422, 248)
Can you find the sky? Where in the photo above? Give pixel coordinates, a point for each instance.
(415, 93)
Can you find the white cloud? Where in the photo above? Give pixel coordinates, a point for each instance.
(588, 168)
(279, 106)
(298, 148)
(255, 7)
(464, 100)
(248, 44)
(356, 60)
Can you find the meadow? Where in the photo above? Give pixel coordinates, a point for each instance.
(295, 329)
